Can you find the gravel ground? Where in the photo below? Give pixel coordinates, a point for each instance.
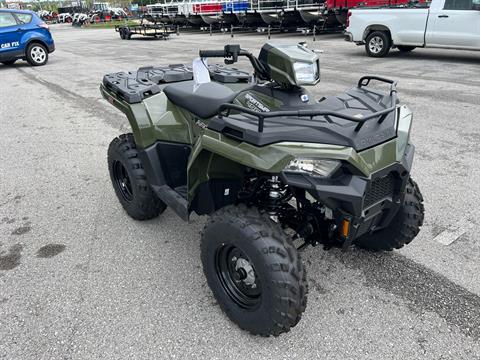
(79, 279)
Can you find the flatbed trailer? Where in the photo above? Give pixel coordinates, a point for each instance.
(157, 30)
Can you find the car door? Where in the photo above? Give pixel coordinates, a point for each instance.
(10, 35)
(456, 24)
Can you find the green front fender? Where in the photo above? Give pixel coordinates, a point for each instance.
(216, 156)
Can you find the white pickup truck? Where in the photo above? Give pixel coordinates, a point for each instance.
(445, 24)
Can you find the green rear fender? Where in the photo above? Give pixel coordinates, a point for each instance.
(155, 118)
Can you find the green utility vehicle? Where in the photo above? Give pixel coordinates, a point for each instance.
(273, 168)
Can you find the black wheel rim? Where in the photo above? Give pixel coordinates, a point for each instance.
(238, 277)
(122, 180)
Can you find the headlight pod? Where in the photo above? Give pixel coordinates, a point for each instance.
(314, 167)
(306, 73)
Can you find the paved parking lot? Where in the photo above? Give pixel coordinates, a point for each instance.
(79, 279)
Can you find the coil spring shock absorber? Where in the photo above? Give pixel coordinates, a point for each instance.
(278, 194)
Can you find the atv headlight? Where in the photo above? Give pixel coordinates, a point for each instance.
(314, 167)
(306, 73)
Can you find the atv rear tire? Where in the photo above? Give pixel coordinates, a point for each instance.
(129, 180)
(377, 44)
(254, 270)
(404, 226)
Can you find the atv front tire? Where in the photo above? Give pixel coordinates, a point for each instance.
(254, 270)
(129, 180)
(404, 226)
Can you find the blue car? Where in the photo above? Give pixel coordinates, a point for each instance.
(23, 35)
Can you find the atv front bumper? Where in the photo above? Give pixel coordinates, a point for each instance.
(368, 203)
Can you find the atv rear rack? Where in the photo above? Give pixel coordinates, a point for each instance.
(225, 109)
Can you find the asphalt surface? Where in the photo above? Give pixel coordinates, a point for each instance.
(79, 279)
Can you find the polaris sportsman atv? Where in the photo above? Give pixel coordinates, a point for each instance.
(274, 169)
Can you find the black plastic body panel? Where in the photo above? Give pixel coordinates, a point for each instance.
(166, 167)
(226, 74)
(134, 86)
(215, 194)
(326, 129)
(166, 163)
(346, 194)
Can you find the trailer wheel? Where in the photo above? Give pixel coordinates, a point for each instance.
(378, 44)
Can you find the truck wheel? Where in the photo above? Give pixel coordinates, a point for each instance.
(404, 48)
(37, 54)
(254, 270)
(404, 226)
(122, 33)
(9, 62)
(377, 44)
(130, 181)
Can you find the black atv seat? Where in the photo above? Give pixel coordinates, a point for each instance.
(204, 102)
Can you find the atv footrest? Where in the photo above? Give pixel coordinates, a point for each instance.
(182, 191)
(173, 199)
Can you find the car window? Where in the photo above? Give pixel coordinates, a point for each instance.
(459, 4)
(24, 18)
(7, 19)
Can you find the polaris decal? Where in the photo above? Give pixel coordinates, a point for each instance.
(9, 45)
(377, 138)
(254, 104)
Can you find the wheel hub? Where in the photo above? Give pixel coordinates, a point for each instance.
(245, 272)
(238, 277)
(38, 54)
(376, 44)
(122, 181)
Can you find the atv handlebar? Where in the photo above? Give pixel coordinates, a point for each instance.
(212, 53)
(231, 54)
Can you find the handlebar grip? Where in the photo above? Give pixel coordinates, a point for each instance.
(365, 80)
(211, 53)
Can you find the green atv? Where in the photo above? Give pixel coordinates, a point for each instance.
(274, 169)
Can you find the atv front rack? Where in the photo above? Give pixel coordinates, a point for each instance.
(225, 109)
